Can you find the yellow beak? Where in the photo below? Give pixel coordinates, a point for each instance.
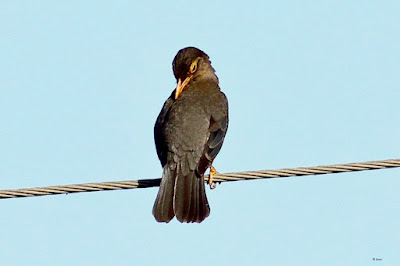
(181, 86)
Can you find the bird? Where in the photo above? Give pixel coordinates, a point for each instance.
(189, 133)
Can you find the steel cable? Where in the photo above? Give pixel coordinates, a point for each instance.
(227, 177)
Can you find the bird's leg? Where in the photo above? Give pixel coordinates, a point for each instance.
(211, 182)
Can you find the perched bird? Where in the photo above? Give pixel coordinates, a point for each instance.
(189, 133)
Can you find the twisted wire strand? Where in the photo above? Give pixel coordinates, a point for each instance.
(227, 177)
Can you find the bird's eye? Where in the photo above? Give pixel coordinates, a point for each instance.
(193, 66)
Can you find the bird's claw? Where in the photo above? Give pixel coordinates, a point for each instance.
(211, 182)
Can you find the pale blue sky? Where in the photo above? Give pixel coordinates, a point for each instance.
(308, 83)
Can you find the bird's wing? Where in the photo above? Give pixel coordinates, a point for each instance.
(159, 137)
(218, 128)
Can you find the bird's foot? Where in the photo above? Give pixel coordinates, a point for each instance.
(211, 182)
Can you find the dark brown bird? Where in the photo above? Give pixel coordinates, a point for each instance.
(189, 133)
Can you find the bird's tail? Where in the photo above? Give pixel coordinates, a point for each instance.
(183, 196)
(190, 200)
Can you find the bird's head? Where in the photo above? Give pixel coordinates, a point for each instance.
(190, 63)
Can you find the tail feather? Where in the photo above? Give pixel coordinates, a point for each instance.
(190, 200)
(204, 208)
(194, 207)
(163, 209)
(181, 196)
